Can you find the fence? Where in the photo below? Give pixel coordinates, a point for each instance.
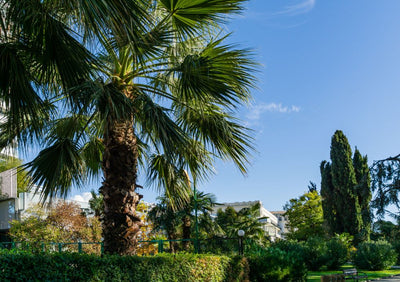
(222, 246)
(78, 247)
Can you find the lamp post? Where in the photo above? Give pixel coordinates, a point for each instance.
(241, 235)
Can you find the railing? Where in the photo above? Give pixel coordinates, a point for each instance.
(222, 246)
(79, 247)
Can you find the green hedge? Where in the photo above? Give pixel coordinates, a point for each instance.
(22, 266)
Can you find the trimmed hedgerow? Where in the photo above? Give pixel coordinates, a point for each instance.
(22, 266)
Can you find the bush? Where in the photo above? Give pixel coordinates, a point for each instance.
(377, 255)
(396, 247)
(277, 265)
(290, 246)
(314, 253)
(337, 253)
(24, 266)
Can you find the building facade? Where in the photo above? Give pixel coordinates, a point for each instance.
(282, 222)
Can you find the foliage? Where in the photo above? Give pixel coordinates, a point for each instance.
(345, 190)
(337, 253)
(314, 253)
(277, 265)
(158, 97)
(386, 183)
(364, 193)
(305, 216)
(375, 255)
(396, 247)
(164, 219)
(290, 246)
(62, 222)
(96, 204)
(73, 267)
(247, 219)
(179, 222)
(23, 180)
(147, 231)
(386, 230)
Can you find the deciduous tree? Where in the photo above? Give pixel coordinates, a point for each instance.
(62, 222)
(305, 216)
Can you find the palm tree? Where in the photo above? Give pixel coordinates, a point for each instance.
(96, 204)
(117, 86)
(178, 223)
(164, 219)
(204, 203)
(247, 219)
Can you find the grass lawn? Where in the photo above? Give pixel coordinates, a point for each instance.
(316, 275)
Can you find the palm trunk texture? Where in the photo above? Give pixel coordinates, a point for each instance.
(120, 222)
(187, 224)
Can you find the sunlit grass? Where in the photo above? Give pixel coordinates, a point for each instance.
(316, 275)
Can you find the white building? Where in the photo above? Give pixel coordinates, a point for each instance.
(270, 224)
(282, 222)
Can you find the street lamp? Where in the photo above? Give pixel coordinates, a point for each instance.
(241, 235)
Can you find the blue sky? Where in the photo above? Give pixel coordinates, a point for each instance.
(326, 65)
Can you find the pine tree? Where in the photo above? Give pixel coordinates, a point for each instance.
(339, 190)
(363, 190)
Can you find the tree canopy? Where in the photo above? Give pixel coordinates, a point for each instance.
(305, 216)
(117, 87)
(346, 191)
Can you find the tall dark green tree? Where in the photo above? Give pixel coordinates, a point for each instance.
(328, 197)
(363, 190)
(345, 190)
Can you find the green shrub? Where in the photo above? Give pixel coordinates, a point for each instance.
(277, 265)
(396, 247)
(377, 255)
(23, 266)
(314, 253)
(337, 253)
(290, 246)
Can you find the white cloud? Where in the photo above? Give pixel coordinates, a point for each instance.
(257, 110)
(302, 7)
(84, 197)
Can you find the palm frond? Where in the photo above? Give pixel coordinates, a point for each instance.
(56, 168)
(173, 180)
(125, 20)
(219, 73)
(21, 103)
(92, 154)
(188, 16)
(52, 53)
(226, 138)
(153, 121)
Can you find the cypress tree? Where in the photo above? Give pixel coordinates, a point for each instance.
(327, 194)
(363, 190)
(340, 191)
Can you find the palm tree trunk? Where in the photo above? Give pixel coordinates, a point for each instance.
(186, 232)
(120, 222)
